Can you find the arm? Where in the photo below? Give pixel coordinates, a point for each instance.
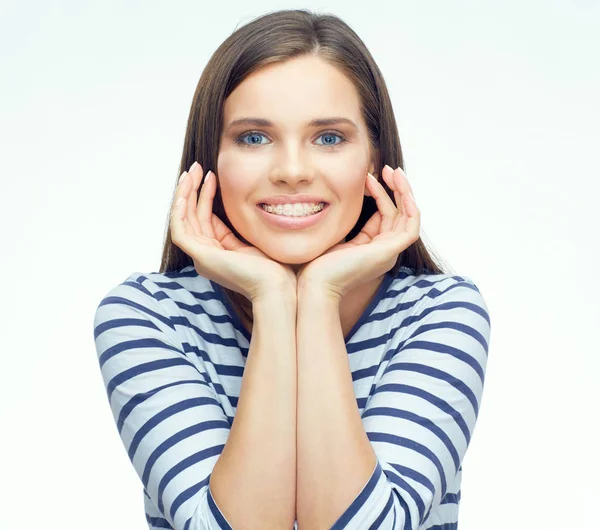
(335, 458)
(254, 480)
(419, 419)
(171, 422)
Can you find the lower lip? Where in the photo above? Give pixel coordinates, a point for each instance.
(293, 222)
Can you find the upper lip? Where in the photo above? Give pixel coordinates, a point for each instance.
(291, 199)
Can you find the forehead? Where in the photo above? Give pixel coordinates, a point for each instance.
(294, 91)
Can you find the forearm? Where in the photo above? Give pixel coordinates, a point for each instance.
(335, 457)
(254, 480)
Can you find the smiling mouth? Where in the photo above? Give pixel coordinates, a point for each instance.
(294, 222)
(292, 211)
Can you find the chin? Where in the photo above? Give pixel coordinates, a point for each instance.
(293, 258)
(293, 255)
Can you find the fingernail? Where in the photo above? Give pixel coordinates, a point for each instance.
(207, 177)
(388, 167)
(372, 177)
(182, 177)
(193, 166)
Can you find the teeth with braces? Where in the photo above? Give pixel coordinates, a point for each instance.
(296, 210)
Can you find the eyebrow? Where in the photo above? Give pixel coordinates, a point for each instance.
(320, 122)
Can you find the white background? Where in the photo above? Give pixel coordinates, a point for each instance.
(498, 109)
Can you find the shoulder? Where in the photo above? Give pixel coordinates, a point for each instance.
(443, 324)
(160, 297)
(418, 295)
(150, 288)
(434, 286)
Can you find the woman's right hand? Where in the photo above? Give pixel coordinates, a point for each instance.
(217, 254)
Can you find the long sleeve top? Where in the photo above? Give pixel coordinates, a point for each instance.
(172, 352)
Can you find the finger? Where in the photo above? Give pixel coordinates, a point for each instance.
(388, 175)
(408, 186)
(225, 236)
(195, 174)
(413, 221)
(204, 208)
(369, 231)
(404, 190)
(385, 204)
(210, 223)
(178, 210)
(221, 231)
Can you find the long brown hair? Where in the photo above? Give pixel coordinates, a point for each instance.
(276, 37)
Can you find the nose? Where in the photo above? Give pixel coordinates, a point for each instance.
(292, 167)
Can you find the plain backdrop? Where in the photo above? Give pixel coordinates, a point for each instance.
(497, 105)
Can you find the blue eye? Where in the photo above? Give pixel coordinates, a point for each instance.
(255, 134)
(250, 134)
(332, 134)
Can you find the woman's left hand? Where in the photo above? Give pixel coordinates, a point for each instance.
(374, 251)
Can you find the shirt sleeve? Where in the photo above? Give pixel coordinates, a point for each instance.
(422, 413)
(166, 412)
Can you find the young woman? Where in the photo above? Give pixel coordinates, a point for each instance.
(295, 297)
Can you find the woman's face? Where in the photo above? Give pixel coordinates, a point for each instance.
(291, 157)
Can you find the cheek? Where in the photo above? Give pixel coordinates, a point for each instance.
(346, 170)
(353, 186)
(227, 164)
(234, 159)
(354, 175)
(354, 164)
(236, 174)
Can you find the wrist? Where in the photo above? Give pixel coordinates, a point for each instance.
(310, 292)
(282, 294)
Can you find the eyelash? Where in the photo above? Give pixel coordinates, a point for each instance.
(239, 139)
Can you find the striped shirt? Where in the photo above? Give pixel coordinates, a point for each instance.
(172, 353)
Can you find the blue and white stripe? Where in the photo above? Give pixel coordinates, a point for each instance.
(172, 354)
